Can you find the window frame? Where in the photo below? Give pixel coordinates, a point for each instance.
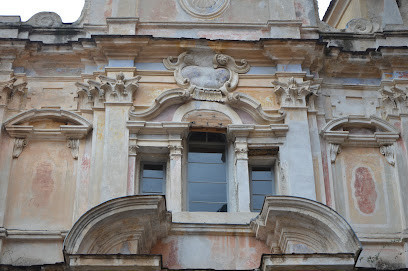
(225, 145)
(140, 177)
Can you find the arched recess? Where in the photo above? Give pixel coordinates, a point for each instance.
(299, 225)
(44, 124)
(127, 225)
(235, 100)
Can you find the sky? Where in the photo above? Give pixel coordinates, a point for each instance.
(69, 12)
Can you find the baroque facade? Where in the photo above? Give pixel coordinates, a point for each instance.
(205, 134)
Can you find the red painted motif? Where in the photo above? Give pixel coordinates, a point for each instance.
(364, 190)
(43, 184)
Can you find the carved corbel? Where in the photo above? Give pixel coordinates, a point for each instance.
(73, 144)
(389, 152)
(335, 149)
(19, 145)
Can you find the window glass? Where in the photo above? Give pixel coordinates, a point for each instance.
(262, 184)
(152, 179)
(206, 176)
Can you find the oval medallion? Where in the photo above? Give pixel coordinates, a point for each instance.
(364, 190)
(205, 9)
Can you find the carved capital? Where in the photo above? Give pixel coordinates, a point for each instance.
(11, 89)
(393, 99)
(241, 151)
(118, 89)
(19, 145)
(335, 149)
(133, 150)
(175, 150)
(73, 144)
(389, 152)
(294, 94)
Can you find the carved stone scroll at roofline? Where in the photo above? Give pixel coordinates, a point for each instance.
(180, 96)
(206, 75)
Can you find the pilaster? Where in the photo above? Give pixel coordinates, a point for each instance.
(174, 185)
(296, 152)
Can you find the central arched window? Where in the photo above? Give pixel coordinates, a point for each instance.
(206, 172)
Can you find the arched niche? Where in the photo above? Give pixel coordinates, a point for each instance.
(298, 225)
(47, 124)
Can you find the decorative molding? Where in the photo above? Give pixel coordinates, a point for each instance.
(291, 221)
(19, 145)
(10, 89)
(207, 76)
(204, 9)
(108, 89)
(294, 94)
(335, 149)
(389, 152)
(75, 127)
(73, 144)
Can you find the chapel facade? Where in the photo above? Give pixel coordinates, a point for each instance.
(205, 134)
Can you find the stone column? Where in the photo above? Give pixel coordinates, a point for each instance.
(132, 169)
(174, 185)
(296, 153)
(242, 175)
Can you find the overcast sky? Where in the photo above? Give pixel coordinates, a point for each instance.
(68, 10)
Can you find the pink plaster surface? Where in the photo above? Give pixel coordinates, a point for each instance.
(223, 252)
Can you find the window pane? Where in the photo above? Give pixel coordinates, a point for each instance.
(208, 192)
(257, 202)
(208, 207)
(150, 185)
(262, 174)
(154, 173)
(262, 187)
(206, 172)
(200, 157)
